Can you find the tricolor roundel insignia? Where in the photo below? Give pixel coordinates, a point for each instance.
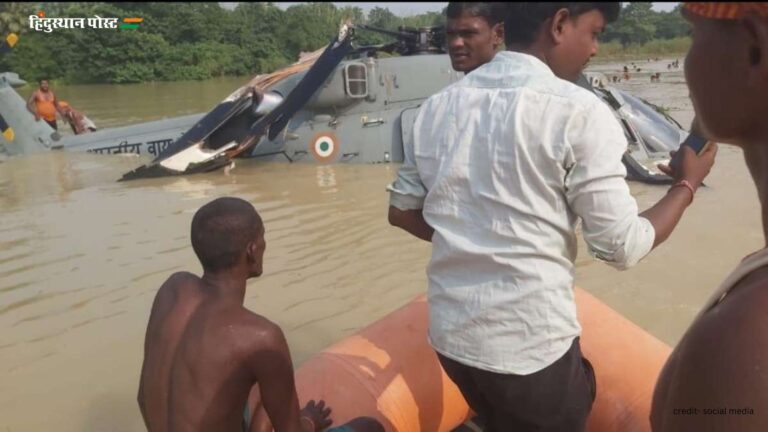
(324, 147)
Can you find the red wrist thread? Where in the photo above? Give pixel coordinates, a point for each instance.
(687, 185)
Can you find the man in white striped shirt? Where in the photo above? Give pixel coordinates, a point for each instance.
(502, 166)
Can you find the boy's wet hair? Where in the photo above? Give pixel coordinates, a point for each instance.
(492, 12)
(222, 229)
(524, 20)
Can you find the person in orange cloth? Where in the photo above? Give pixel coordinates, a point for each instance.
(716, 379)
(73, 117)
(204, 351)
(79, 123)
(43, 104)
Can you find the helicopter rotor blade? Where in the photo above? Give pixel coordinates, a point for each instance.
(393, 33)
(277, 119)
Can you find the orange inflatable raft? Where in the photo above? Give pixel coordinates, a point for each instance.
(388, 371)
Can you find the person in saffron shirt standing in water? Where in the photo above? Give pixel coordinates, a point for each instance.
(43, 104)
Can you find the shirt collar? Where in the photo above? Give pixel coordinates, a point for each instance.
(521, 59)
(507, 68)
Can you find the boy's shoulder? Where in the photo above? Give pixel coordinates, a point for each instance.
(736, 326)
(178, 281)
(745, 303)
(256, 332)
(721, 359)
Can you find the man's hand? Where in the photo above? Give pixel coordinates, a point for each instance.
(666, 213)
(411, 221)
(692, 167)
(317, 415)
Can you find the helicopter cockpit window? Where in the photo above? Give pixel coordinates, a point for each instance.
(356, 83)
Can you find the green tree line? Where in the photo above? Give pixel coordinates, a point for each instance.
(638, 24)
(180, 41)
(195, 41)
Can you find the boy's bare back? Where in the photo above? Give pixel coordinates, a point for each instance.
(204, 351)
(201, 358)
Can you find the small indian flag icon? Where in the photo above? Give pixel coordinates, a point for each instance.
(131, 23)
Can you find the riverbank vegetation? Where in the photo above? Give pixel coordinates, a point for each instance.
(196, 41)
(643, 32)
(653, 48)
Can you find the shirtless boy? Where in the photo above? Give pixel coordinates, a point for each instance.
(204, 351)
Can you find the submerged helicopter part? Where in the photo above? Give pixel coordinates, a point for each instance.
(191, 160)
(200, 149)
(650, 133)
(340, 104)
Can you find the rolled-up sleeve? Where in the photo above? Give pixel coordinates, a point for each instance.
(598, 193)
(407, 192)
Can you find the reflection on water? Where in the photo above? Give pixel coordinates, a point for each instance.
(81, 257)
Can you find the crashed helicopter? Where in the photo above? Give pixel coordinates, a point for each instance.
(343, 104)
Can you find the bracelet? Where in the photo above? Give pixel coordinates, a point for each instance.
(311, 423)
(686, 184)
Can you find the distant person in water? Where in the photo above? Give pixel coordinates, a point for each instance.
(721, 362)
(204, 351)
(79, 123)
(43, 104)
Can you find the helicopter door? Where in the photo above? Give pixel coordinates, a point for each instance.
(407, 118)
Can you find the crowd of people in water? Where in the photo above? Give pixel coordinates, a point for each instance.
(627, 74)
(500, 167)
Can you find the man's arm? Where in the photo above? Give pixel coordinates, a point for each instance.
(666, 213)
(273, 370)
(30, 105)
(407, 194)
(722, 364)
(597, 191)
(411, 221)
